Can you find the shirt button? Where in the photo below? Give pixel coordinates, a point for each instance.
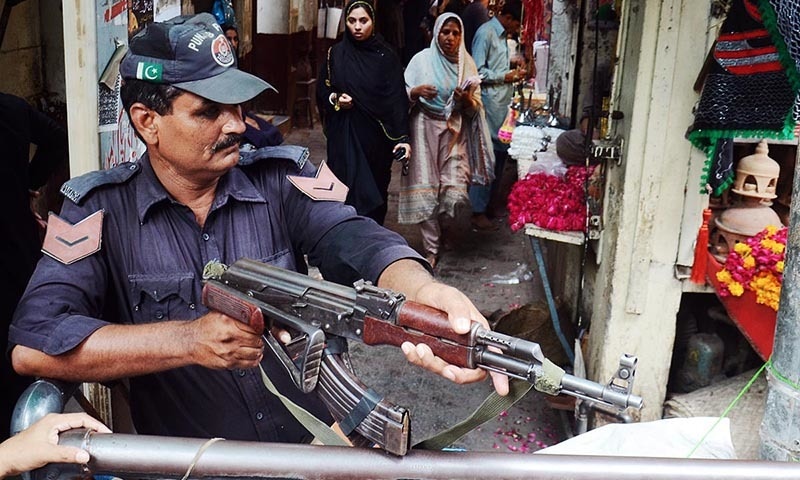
(159, 314)
(191, 306)
(206, 237)
(133, 167)
(259, 416)
(241, 373)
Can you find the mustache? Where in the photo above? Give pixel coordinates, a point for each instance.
(228, 141)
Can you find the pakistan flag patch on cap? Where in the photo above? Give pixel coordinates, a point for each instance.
(149, 71)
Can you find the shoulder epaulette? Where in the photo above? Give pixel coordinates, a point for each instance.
(295, 153)
(77, 188)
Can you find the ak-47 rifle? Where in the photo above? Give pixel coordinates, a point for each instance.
(322, 313)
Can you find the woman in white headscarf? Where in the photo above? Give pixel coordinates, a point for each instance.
(449, 137)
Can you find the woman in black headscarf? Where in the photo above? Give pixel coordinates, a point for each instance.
(363, 101)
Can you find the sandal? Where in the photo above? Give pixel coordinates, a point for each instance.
(481, 223)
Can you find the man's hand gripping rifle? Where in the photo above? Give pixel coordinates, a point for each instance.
(322, 313)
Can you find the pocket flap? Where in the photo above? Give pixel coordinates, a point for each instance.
(161, 286)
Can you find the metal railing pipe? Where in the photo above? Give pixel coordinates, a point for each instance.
(142, 456)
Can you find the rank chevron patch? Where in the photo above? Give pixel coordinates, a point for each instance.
(69, 243)
(325, 186)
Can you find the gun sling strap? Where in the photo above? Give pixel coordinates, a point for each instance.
(315, 426)
(489, 409)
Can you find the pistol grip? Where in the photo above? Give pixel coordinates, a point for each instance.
(223, 299)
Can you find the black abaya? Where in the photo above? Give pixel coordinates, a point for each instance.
(361, 139)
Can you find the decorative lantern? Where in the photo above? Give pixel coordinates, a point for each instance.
(757, 174)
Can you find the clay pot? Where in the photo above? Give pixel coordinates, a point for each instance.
(736, 224)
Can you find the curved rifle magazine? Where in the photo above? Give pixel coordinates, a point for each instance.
(386, 425)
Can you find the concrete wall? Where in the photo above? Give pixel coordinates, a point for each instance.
(637, 295)
(602, 43)
(33, 51)
(21, 52)
(561, 61)
(52, 34)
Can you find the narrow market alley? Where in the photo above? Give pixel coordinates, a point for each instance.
(495, 270)
(659, 142)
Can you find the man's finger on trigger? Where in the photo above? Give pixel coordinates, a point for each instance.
(284, 336)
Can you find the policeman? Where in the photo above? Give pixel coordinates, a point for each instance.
(118, 294)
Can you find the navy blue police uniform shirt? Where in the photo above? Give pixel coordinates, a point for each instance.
(149, 269)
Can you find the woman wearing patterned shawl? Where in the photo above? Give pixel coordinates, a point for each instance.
(451, 143)
(365, 111)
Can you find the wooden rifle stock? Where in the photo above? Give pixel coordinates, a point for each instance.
(417, 323)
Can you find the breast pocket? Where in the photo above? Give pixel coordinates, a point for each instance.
(282, 259)
(161, 297)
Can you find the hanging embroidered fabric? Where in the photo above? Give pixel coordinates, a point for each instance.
(750, 90)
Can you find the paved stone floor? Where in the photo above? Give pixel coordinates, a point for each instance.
(476, 263)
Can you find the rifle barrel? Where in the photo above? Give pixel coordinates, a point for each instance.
(570, 384)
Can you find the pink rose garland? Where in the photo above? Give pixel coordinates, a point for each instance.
(550, 202)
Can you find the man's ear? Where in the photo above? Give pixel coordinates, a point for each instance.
(143, 120)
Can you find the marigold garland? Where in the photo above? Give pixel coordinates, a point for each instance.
(549, 201)
(756, 265)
